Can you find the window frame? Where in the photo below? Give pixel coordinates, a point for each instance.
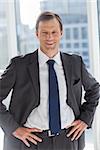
(94, 51)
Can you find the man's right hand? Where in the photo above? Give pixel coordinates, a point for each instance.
(25, 135)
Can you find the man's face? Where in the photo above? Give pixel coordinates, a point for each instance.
(49, 35)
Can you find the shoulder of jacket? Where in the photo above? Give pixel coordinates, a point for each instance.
(72, 56)
(22, 58)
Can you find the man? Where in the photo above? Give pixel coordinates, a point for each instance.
(45, 82)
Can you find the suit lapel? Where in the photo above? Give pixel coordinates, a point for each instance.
(68, 69)
(34, 74)
(67, 65)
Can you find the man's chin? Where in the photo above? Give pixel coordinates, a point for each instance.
(50, 47)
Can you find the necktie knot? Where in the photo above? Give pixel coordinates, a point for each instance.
(51, 62)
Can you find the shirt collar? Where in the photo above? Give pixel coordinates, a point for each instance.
(43, 58)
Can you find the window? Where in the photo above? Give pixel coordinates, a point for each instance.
(85, 45)
(84, 32)
(20, 38)
(75, 24)
(75, 33)
(85, 53)
(76, 45)
(61, 45)
(68, 33)
(8, 46)
(99, 16)
(68, 45)
(3, 36)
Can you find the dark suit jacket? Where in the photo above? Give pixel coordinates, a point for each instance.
(22, 76)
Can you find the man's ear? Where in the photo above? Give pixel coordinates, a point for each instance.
(61, 32)
(36, 33)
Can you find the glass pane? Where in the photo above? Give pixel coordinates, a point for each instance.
(84, 32)
(3, 48)
(68, 33)
(75, 33)
(74, 17)
(74, 40)
(99, 16)
(3, 36)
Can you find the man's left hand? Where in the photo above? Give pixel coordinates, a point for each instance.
(78, 127)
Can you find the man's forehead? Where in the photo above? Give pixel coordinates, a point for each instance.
(49, 23)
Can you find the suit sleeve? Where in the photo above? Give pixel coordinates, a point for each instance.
(7, 81)
(92, 94)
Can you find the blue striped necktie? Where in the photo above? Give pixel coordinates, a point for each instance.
(54, 104)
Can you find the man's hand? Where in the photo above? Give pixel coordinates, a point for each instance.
(78, 127)
(25, 135)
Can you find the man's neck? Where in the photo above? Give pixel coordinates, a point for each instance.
(50, 53)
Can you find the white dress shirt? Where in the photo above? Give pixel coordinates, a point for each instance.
(39, 117)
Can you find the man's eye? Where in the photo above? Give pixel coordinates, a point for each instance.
(54, 32)
(44, 33)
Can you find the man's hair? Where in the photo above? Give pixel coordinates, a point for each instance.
(46, 16)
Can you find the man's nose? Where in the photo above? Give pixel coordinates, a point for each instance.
(49, 36)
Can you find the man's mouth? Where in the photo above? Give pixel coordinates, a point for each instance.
(49, 43)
